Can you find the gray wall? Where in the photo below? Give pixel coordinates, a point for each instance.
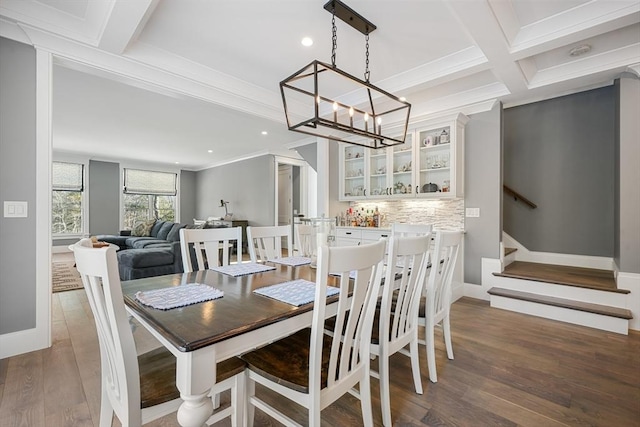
(104, 197)
(559, 153)
(309, 153)
(248, 186)
(295, 178)
(17, 183)
(627, 180)
(187, 196)
(482, 189)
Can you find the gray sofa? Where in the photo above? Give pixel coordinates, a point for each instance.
(147, 256)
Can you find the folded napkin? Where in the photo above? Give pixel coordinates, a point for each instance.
(292, 260)
(295, 292)
(178, 296)
(243, 269)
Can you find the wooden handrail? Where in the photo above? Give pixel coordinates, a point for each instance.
(517, 196)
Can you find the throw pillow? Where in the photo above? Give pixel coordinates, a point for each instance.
(143, 229)
(174, 234)
(164, 230)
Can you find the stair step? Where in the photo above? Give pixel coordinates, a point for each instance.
(621, 313)
(602, 280)
(509, 251)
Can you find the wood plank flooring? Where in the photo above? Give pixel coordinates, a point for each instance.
(509, 370)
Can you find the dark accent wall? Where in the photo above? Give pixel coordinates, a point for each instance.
(17, 183)
(560, 154)
(187, 196)
(104, 197)
(482, 189)
(248, 186)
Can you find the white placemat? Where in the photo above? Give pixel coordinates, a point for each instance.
(292, 260)
(243, 269)
(178, 296)
(295, 292)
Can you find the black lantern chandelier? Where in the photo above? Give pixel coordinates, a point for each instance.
(322, 100)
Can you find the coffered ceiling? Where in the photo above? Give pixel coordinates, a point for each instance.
(166, 81)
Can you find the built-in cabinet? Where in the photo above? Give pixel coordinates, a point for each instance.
(354, 236)
(428, 165)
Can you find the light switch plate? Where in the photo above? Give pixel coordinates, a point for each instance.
(472, 212)
(15, 209)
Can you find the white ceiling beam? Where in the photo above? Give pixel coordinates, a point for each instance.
(125, 23)
(482, 26)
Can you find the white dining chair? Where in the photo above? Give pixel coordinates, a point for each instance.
(397, 317)
(305, 239)
(213, 245)
(312, 368)
(265, 243)
(435, 308)
(405, 229)
(138, 389)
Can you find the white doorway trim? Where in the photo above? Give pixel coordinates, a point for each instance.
(304, 180)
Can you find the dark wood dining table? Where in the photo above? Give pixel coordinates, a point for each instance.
(202, 334)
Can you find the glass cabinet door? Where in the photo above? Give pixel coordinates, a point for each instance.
(378, 185)
(353, 178)
(434, 177)
(402, 168)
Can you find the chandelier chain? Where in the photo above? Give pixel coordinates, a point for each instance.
(367, 73)
(334, 38)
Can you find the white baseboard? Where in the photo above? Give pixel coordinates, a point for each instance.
(21, 342)
(585, 261)
(631, 281)
(576, 317)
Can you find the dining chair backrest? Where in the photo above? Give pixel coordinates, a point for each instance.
(404, 229)
(305, 240)
(265, 243)
(98, 269)
(207, 244)
(444, 257)
(409, 256)
(360, 269)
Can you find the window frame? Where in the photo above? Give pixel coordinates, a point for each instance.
(84, 200)
(153, 168)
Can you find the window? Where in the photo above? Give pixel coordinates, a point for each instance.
(148, 195)
(67, 198)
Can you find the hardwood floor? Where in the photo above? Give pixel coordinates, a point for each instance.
(509, 370)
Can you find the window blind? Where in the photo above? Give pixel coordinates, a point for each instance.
(138, 181)
(67, 176)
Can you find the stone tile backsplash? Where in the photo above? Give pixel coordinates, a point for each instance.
(445, 214)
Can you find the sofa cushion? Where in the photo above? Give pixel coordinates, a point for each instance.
(143, 229)
(174, 234)
(147, 243)
(131, 241)
(164, 230)
(139, 258)
(156, 227)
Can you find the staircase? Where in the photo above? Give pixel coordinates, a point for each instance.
(578, 295)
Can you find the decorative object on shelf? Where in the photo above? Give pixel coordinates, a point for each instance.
(227, 215)
(430, 188)
(444, 137)
(362, 107)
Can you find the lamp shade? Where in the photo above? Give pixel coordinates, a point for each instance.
(324, 101)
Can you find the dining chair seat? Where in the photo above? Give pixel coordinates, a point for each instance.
(287, 361)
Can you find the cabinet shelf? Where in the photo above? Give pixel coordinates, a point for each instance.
(402, 172)
(354, 177)
(353, 159)
(435, 147)
(435, 169)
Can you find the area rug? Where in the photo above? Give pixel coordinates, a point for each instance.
(65, 277)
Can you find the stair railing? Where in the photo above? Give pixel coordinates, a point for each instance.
(518, 197)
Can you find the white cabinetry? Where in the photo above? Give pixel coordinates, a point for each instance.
(354, 236)
(428, 165)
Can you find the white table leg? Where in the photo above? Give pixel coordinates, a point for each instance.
(195, 375)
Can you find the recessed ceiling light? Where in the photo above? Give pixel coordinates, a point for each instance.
(307, 41)
(264, 132)
(402, 98)
(580, 50)
(177, 163)
(209, 151)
